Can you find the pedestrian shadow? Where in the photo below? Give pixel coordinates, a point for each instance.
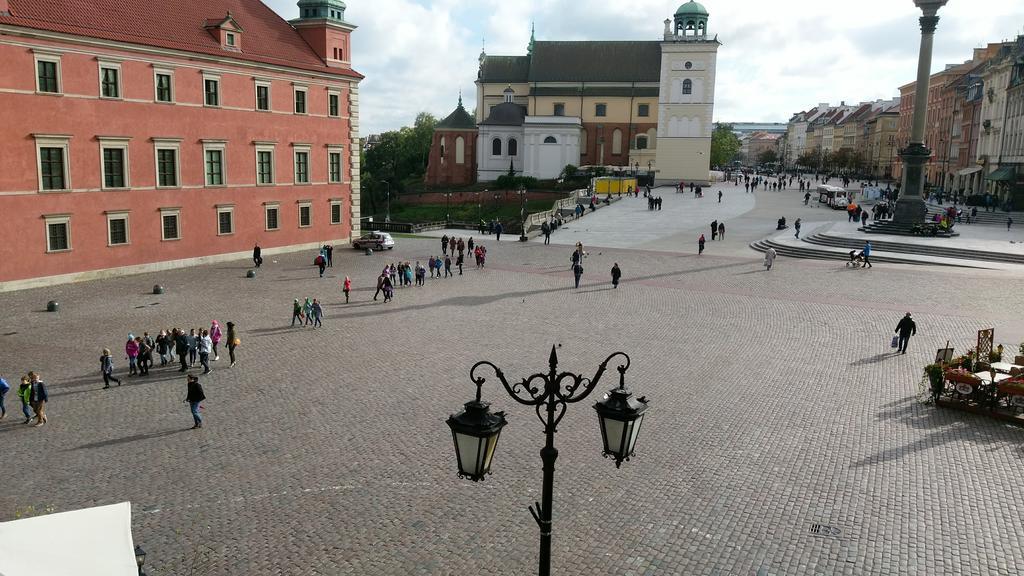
(873, 359)
(93, 383)
(275, 330)
(127, 439)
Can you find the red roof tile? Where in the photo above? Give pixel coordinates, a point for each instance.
(174, 24)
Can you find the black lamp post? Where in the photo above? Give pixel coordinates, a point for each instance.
(387, 216)
(140, 559)
(447, 207)
(475, 430)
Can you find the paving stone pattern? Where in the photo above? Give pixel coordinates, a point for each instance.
(775, 406)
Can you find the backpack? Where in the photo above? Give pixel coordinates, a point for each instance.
(4, 386)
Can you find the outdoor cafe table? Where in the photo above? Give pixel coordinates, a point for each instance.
(1006, 367)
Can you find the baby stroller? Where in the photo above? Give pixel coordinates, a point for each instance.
(856, 259)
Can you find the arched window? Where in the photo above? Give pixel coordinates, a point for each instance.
(442, 146)
(687, 86)
(496, 147)
(641, 142)
(513, 147)
(460, 150)
(550, 140)
(617, 141)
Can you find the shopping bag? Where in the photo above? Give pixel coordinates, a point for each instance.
(895, 342)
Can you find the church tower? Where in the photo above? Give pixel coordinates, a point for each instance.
(686, 97)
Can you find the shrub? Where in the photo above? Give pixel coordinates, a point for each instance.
(936, 378)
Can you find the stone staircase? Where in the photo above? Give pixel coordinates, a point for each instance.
(992, 218)
(894, 229)
(937, 249)
(818, 252)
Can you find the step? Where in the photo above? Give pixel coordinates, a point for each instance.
(907, 248)
(843, 256)
(892, 228)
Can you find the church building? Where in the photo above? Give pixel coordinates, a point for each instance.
(642, 105)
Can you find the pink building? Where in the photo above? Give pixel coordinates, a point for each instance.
(152, 134)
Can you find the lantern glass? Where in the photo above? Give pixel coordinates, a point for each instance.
(140, 556)
(475, 453)
(620, 416)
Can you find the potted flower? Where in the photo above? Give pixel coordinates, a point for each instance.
(936, 378)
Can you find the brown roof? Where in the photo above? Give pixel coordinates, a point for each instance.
(176, 25)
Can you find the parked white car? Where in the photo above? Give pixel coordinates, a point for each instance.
(375, 240)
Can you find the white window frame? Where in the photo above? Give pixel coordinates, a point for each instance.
(297, 149)
(168, 144)
(222, 147)
(229, 40)
(266, 147)
(48, 56)
(267, 207)
(341, 215)
(115, 65)
(256, 95)
(340, 151)
(57, 219)
(220, 93)
(156, 90)
(226, 209)
(296, 88)
(119, 143)
(337, 94)
(176, 212)
(120, 215)
(53, 141)
(307, 204)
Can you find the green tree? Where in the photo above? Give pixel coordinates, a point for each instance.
(768, 157)
(724, 145)
(396, 161)
(808, 159)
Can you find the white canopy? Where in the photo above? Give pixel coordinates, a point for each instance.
(90, 542)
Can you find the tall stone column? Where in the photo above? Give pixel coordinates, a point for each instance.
(910, 208)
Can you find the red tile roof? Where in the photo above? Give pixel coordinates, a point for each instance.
(175, 24)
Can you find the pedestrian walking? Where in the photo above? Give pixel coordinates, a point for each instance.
(321, 263)
(307, 311)
(458, 262)
(318, 314)
(769, 259)
(714, 229)
(905, 329)
(107, 369)
(38, 398)
(215, 336)
(205, 345)
(577, 272)
(297, 311)
(389, 289)
(145, 353)
(797, 226)
(131, 353)
(330, 255)
(180, 347)
(497, 231)
(545, 229)
(438, 263)
(700, 245)
(616, 274)
(25, 395)
(721, 230)
(719, 196)
(233, 342)
(1009, 222)
(193, 346)
(346, 288)
(421, 273)
(194, 396)
(257, 255)
(469, 244)
(451, 246)
(444, 244)
(447, 266)
(866, 253)
(430, 266)
(4, 389)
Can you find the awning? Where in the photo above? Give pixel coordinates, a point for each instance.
(1003, 174)
(967, 171)
(90, 542)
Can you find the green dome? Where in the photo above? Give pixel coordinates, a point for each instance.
(691, 8)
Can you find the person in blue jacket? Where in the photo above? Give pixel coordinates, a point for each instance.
(867, 255)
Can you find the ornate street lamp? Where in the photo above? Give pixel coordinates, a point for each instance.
(910, 208)
(387, 215)
(522, 214)
(140, 559)
(475, 430)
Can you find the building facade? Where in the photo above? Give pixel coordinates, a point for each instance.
(598, 104)
(139, 136)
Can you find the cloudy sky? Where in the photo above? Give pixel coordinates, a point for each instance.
(776, 57)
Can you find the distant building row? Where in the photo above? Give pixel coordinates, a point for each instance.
(974, 126)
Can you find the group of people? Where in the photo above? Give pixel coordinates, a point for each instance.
(576, 259)
(33, 396)
(403, 274)
(311, 312)
(717, 230)
(198, 344)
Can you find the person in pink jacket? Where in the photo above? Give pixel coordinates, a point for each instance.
(131, 351)
(215, 338)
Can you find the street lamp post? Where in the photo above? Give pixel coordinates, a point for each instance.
(910, 208)
(475, 430)
(522, 213)
(387, 216)
(447, 207)
(140, 559)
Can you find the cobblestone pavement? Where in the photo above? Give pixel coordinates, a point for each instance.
(775, 406)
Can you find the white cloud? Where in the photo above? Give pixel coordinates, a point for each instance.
(777, 57)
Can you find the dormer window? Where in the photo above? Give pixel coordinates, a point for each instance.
(231, 39)
(226, 31)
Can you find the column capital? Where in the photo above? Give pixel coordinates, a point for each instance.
(928, 24)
